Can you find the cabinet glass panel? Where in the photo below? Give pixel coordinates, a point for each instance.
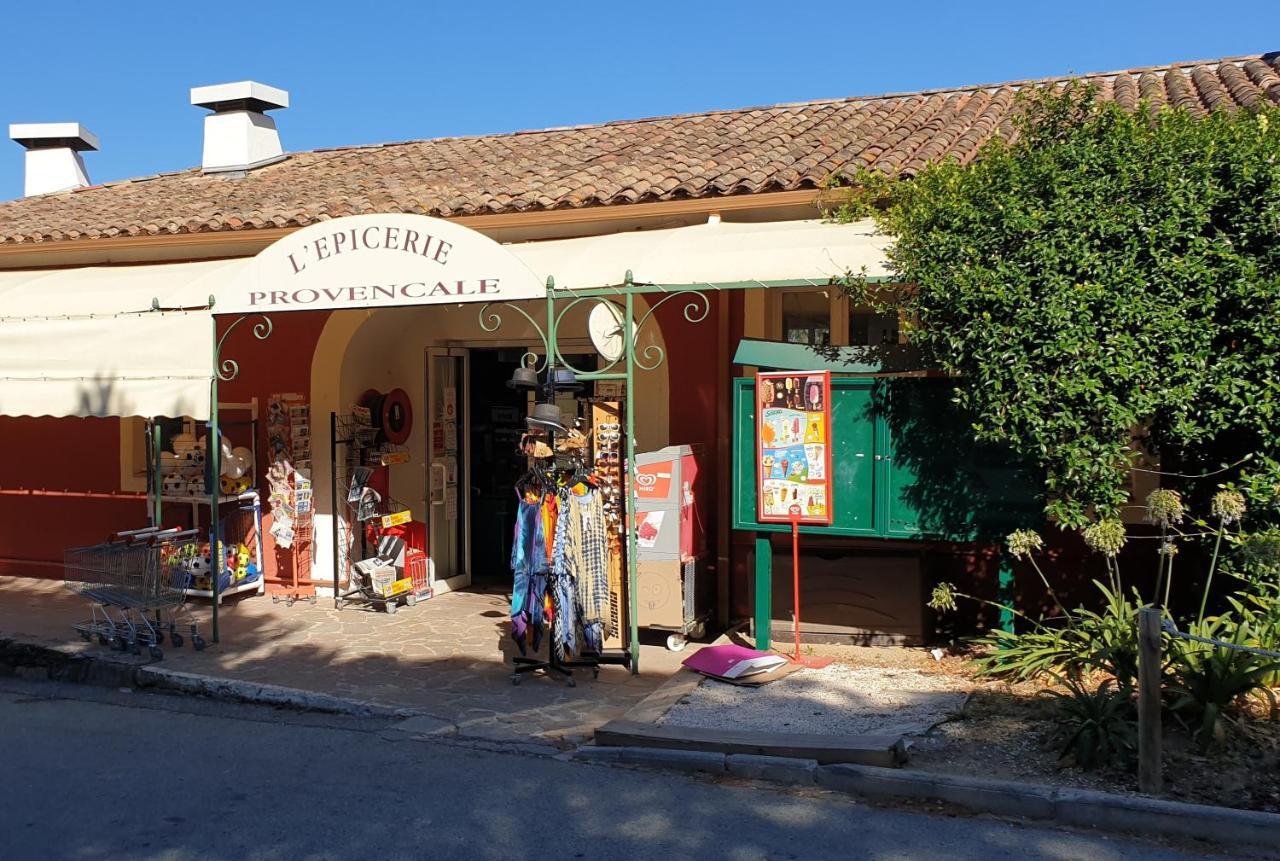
(853, 458)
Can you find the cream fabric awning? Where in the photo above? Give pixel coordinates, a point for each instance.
(84, 342)
(715, 252)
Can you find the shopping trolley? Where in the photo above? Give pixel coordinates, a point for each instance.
(134, 584)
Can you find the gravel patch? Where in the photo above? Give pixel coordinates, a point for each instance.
(836, 700)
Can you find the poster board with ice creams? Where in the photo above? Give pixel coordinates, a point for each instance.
(793, 447)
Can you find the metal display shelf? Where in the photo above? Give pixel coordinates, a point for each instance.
(204, 500)
(254, 585)
(259, 583)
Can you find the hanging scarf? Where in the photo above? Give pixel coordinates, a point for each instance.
(529, 567)
(565, 566)
(593, 571)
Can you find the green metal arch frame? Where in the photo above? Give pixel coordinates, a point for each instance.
(632, 358)
(622, 295)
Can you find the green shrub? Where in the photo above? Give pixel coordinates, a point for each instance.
(1096, 726)
(1205, 681)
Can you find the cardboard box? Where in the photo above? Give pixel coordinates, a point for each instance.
(398, 587)
(382, 580)
(660, 591)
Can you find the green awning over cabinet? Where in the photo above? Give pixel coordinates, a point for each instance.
(782, 356)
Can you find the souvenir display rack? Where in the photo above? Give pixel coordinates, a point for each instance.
(554, 666)
(184, 484)
(364, 449)
(620, 366)
(606, 422)
(292, 501)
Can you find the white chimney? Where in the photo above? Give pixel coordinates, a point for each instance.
(53, 155)
(239, 135)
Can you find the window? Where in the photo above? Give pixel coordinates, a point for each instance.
(826, 317)
(134, 451)
(870, 329)
(806, 317)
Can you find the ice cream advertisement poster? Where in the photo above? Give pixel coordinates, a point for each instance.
(793, 446)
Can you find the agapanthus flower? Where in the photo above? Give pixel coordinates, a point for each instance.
(1106, 536)
(1228, 506)
(1024, 542)
(1164, 507)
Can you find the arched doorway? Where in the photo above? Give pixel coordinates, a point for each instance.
(423, 349)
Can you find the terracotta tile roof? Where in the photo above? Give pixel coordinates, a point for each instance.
(748, 151)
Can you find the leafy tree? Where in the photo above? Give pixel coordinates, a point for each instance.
(1103, 273)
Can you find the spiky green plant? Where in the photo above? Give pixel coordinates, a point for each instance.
(1096, 726)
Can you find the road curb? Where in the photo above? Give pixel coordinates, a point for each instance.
(1003, 798)
(780, 769)
(1071, 807)
(656, 757)
(41, 662)
(235, 690)
(1199, 821)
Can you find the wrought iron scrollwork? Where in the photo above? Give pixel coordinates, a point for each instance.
(229, 369)
(491, 321)
(647, 358)
(695, 311)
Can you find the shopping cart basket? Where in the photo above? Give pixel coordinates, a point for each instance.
(133, 582)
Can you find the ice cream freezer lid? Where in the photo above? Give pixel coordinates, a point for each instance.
(671, 452)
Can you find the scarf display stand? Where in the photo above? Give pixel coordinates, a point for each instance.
(552, 666)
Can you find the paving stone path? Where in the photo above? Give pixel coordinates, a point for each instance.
(449, 657)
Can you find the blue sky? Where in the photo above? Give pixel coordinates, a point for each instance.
(367, 72)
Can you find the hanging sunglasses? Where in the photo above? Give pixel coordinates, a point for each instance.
(608, 436)
(608, 426)
(607, 456)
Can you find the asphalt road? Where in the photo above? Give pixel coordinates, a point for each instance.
(90, 774)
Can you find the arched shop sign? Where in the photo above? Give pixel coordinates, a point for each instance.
(377, 261)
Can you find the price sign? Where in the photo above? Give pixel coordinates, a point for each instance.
(793, 447)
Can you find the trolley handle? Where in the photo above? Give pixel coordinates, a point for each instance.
(152, 535)
(170, 535)
(136, 533)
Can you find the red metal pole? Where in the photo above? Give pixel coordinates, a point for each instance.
(795, 578)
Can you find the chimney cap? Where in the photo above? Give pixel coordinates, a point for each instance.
(53, 135)
(240, 96)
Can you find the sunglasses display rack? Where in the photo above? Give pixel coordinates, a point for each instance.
(606, 439)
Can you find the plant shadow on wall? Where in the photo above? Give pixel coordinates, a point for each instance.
(959, 488)
(953, 485)
(98, 398)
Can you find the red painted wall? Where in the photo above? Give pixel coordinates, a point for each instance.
(691, 380)
(60, 477)
(48, 469)
(281, 363)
